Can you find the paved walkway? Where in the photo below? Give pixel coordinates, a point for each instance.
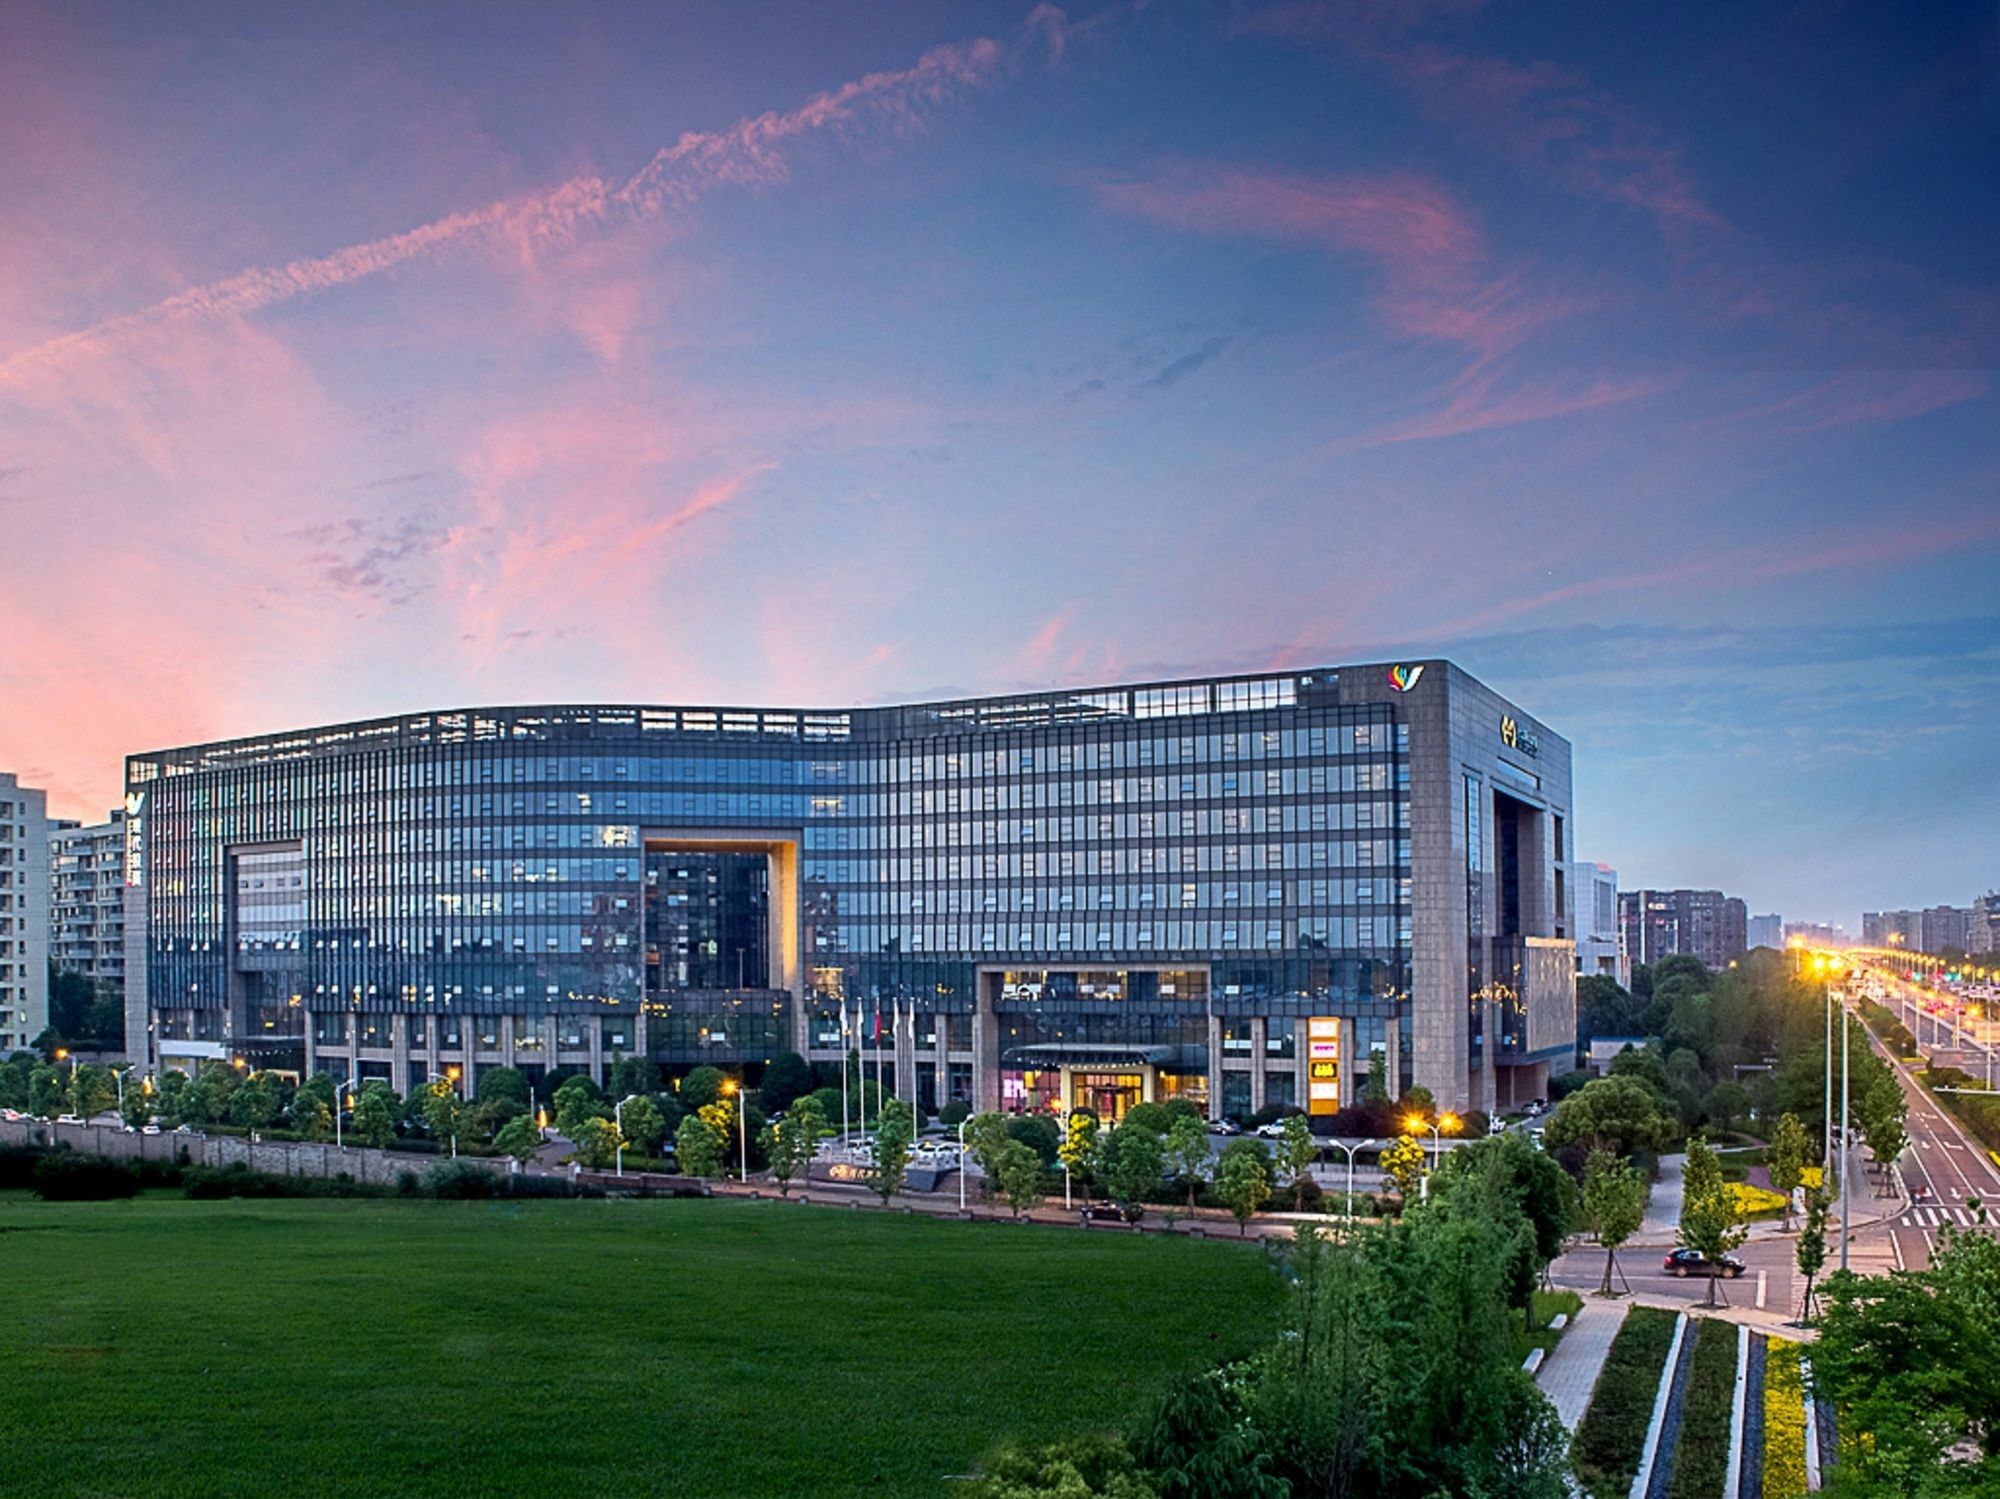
(1569, 1374)
(1663, 1211)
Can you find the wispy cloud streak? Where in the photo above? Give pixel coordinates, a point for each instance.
(750, 153)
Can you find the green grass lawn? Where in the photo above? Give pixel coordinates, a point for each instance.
(167, 1347)
(1547, 1304)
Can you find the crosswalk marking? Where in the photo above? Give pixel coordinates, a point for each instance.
(1926, 1217)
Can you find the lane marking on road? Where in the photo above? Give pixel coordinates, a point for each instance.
(1763, 1287)
(1897, 1248)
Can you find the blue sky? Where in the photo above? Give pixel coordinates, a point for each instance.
(362, 359)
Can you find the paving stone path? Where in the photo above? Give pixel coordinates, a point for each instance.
(1568, 1375)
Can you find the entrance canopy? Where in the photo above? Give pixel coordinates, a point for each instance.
(1048, 1054)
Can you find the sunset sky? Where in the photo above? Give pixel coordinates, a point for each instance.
(357, 359)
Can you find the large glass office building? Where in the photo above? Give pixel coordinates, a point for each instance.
(1245, 891)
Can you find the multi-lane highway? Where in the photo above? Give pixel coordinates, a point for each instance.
(1960, 1192)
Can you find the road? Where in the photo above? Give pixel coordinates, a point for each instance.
(1889, 1234)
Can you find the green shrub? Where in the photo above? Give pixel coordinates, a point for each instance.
(454, 1180)
(1701, 1450)
(955, 1113)
(1612, 1435)
(67, 1176)
(17, 1165)
(1090, 1468)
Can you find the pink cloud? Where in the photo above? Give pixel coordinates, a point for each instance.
(747, 154)
(1424, 244)
(1544, 119)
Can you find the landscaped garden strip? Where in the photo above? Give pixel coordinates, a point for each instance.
(1613, 1431)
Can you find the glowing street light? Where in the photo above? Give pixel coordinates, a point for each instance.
(1446, 1124)
(730, 1089)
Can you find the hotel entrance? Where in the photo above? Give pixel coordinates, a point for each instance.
(1106, 1094)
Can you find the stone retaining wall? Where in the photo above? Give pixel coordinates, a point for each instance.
(278, 1157)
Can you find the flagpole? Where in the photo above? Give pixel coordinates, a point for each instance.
(843, 1073)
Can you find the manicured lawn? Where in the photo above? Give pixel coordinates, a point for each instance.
(166, 1347)
(1547, 1304)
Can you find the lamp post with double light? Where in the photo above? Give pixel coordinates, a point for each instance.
(1444, 1124)
(1352, 1151)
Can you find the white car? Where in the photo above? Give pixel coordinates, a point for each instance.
(1275, 1130)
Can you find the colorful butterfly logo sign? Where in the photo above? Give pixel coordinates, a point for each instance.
(1403, 678)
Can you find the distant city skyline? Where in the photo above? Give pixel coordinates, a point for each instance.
(360, 361)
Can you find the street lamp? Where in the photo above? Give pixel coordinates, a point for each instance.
(618, 1128)
(732, 1088)
(451, 1076)
(338, 1089)
(118, 1077)
(1351, 1150)
(1447, 1124)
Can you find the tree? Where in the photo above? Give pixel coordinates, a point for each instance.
(311, 1114)
(702, 1087)
(1079, 1144)
(1725, 1103)
(1403, 1164)
(1912, 1361)
(375, 1115)
(1133, 1158)
(1785, 1159)
(257, 1102)
(577, 1100)
(721, 1117)
(889, 1152)
(596, 1142)
(1614, 1204)
(1243, 1185)
(1884, 1113)
(791, 1143)
(787, 1079)
(443, 1110)
(1187, 1152)
(985, 1137)
(138, 1111)
(1618, 1113)
(1039, 1133)
(640, 1120)
(1710, 1223)
(1018, 1172)
(504, 1085)
(1812, 1247)
(628, 1076)
(519, 1138)
(47, 1093)
(1297, 1150)
(698, 1145)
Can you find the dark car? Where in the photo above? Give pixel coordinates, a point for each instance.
(1685, 1262)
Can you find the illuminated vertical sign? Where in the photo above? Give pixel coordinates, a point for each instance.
(1323, 1064)
(135, 841)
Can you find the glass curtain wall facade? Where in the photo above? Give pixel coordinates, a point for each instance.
(1128, 892)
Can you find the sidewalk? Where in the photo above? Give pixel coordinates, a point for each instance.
(1663, 1209)
(1569, 1374)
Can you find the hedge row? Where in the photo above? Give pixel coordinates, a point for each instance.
(1980, 1115)
(1701, 1455)
(1612, 1436)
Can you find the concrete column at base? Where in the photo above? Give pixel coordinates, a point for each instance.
(399, 1040)
(1392, 1058)
(1214, 1067)
(548, 1045)
(312, 1046)
(1259, 1033)
(941, 1061)
(595, 1033)
(1489, 1097)
(506, 1040)
(985, 1049)
(1350, 1081)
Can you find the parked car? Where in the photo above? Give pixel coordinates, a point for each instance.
(1224, 1127)
(150, 1129)
(1103, 1212)
(69, 1119)
(1682, 1263)
(1275, 1130)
